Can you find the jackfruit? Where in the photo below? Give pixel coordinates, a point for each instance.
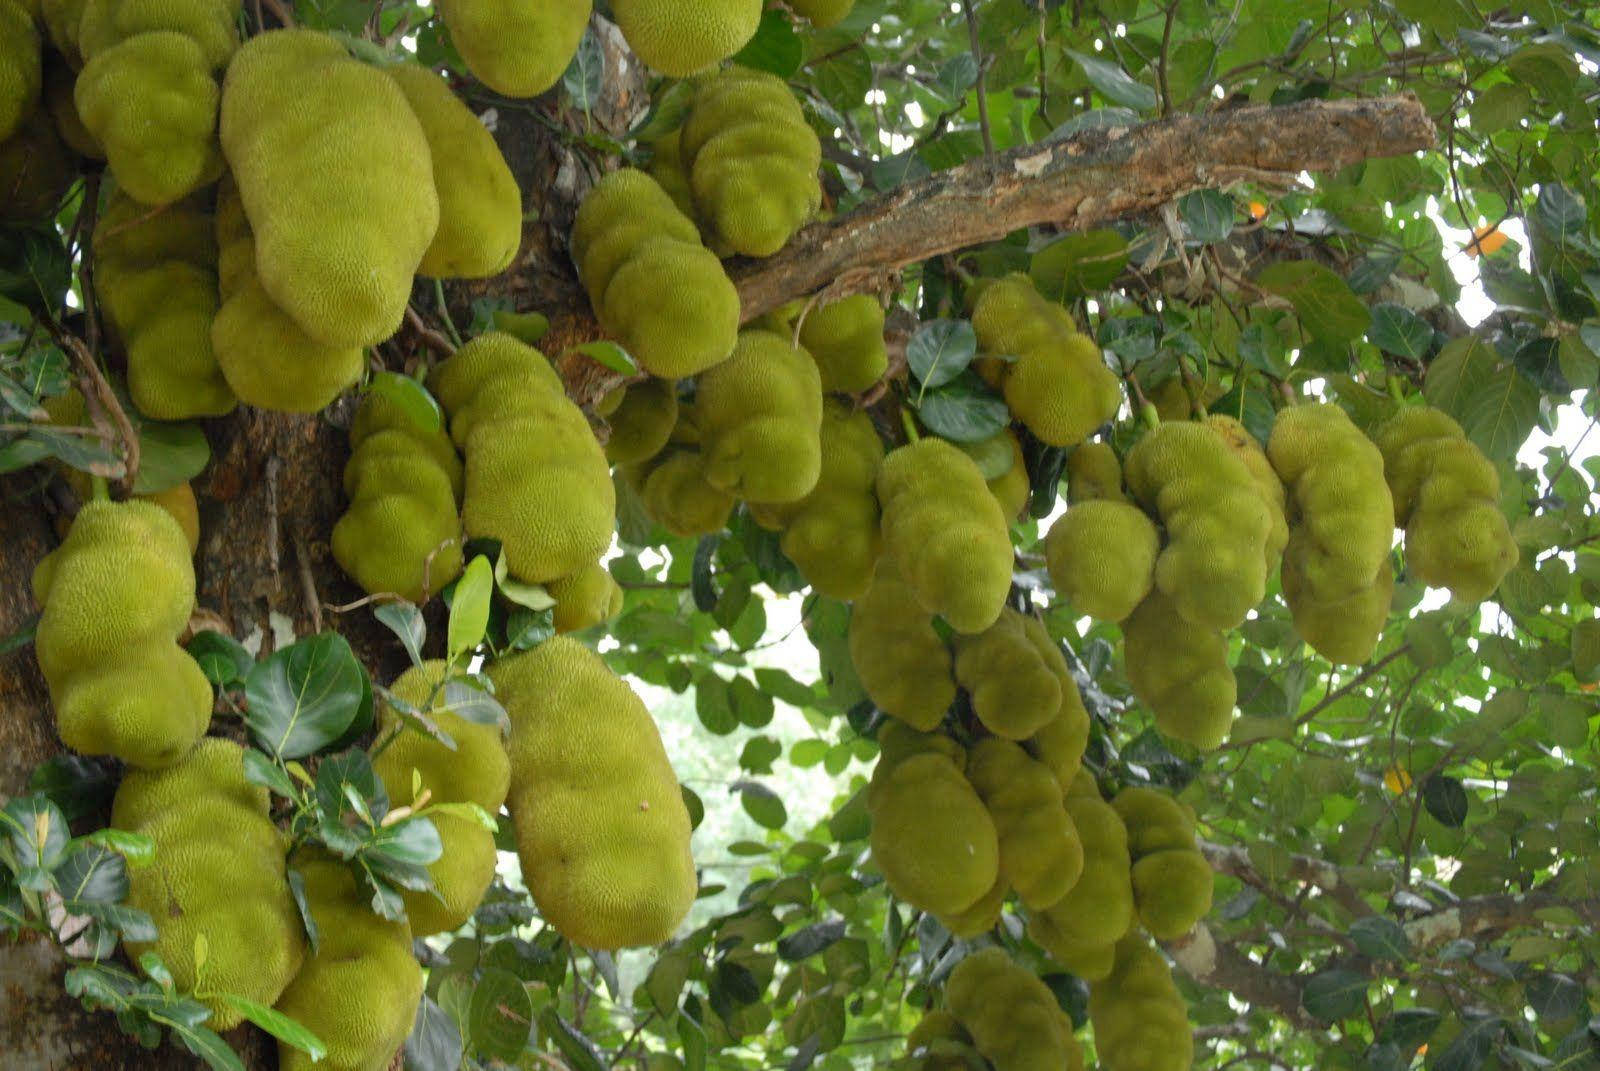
(1343, 629)
(1014, 691)
(666, 167)
(21, 66)
(1059, 386)
(982, 916)
(1012, 1016)
(536, 478)
(1446, 496)
(1040, 854)
(760, 418)
(516, 48)
(1180, 671)
(336, 178)
(116, 595)
(643, 421)
(822, 13)
(931, 835)
(680, 37)
(179, 501)
(401, 533)
(1140, 1020)
(156, 278)
(845, 338)
(1585, 645)
(752, 161)
(585, 598)
(60, 81)
(1171, 879)
(1093, 471)
(1060, 742)
(1102, 557)
(902, 663)
(601, 825)
(1010, 488)
(946, 532)
(651, 282)
(62, 18)
(218, 873)
(1247, 449)
(36, 170)
(675, 493)
(939, 1043)
(1081, 930)
(359, 991)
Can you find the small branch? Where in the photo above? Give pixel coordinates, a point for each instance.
(98, 395)
(1224, 967)
(433, 339)
(981, 87)
(1303, 870)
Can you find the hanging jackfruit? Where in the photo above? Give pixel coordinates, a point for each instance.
(1081, 930)
(21, 67)
(1171, 879)
(666, 167)
(939, 1043)
(902, 663)
(823, 13)
(982, 916)
(585, 598)
(676, 494)
(1040, 854)
(1344, 628)
(1140, 1020)
(1248, 450)
(1014, 690)
(680, 37)
(1011, 1016)
(845, 338)
(61, 19)
(1010, 488)
(1093, 471)
(60, 81)
(601, 825)
(516, 48)
(116, 595)
(759, 414)
(36, 170)
(1060, 742)
(1102, 557)
(1180, 671)
(642, 422)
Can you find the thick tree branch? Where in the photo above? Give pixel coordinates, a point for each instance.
(1490, 916)
(1303, 870)
(1221, 966)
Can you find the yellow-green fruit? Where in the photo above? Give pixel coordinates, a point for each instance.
(931, 835)
(1093, 471)
(650, 280)
(1248, 450)
(1059, 385)
(1082, 929)
(1345, 628)
(1180, 671)
(584, 599)
(337, 182)
(21, 71)
(1586, 649)
(116, 595)
(752, 161)
(1014, 691)
(59, 83)
(601, 825)
(1010, 488)
(676, 494)
(760, 420)
(1140, 1020)
(823, 13)
(210, 24)
(62, 19)
(1214, 566)
(156, 277)
(179, 501)
(1171, 879)
(1061, 741)
(1102, 557)
(642, 422)
(946, 532)
(1012, 1016)
(1447, 497)
(680, 37)
(939, 1043)
(666, 167)
(359, 991)
(218, 874)
(35, 170)
(982, 916)
(537, 479)
(514, 47)
(401, 534)
(900, 660)
(1040, 854)
(846, 340)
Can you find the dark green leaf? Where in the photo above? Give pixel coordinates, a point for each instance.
(805, 943)
(1381, 938)
(585, 75)
(1208, 214)
(1470, 1049)
(169, 454)
(1079, 264)
(580, 1053)
(304, 696)
(1409, 1028)
(1554, 996)
(1334, 994)
(1327, 307)
(1396, 329)
(77, 784)
(91, 873)
(940, 351)
(1445, 799)
(435, 1041)
(499, 1015)
(36, 832)
(1114, 83)
(223, 659)
(762, 804)
(405, 621)
(775, 48)
(410, 397)
(964, 411)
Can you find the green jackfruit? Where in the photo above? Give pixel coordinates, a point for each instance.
(1060, 742)
(1586, 649)
(180, 503)
(1180, 671)
(982, 916)
(537, 479)
(516, 48)
(359, 991)
(940, 1043)
(643, 421)
(1012, 1016)
(210, 24)
(1140, 1020)
(402, 531)
(1014, 690)
(1040, 854)
(947, 532)
(336, 177)
(680, 37)
(675, 493)
(1247, 449)
(1447, 497)
(1093, 471)
(760, 418)
(931, 835)
(902, 663)
(1343, 629)
(666, 167)
(62, 19)
(822, 13)
(36, 170)
(218, 873)
(752, 161)
(1082, 929)
(1010, 488)
(585, 598)
(651, 282)
(21, 66)
(1171, 879)
(601, 825)
(60, 82)
(1059, 386)
(116, 595)
(1102, 557)
(846, 339)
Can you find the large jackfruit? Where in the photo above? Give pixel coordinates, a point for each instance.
(1140, 1020)
(752, 161)
(845, 338)
(1011, 1016)
(1214, 566)
(759, 414)
(642, 422)
(514, 47)
(1180, 671)
(585, 598)
(601, 825)
(1344, 628)
(982, 916)
(402, 531)
(1015, 691)
(1248, 450)
(946, 532)
(651, 282)
(1102, 557)
(156, 277)
(823, 13)
(116, 595)
(218, 873)
(900, 660)
(1447, 497)
(336, 177)
(1082, 929)
(1171, 880)
(680, 37)
(359, 991)
(1093, 471)
(36, 170)
(21, 66)
(1040, 854)
(537, 479)
(1059, 386)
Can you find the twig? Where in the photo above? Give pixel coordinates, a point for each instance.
(982, 84)
(281, 11)
(433, 339)
(308, 584)
(98, 396)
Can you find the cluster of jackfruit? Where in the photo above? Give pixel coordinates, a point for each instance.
(845, 338)
(997, 1012)
(588, 597)
(1081, 930)
(680, 37)
(1101, 552)
(759, 415)
(1171, 880)
(515, 48)
(673, 486)
(602, 829)
(1010, 670)
(401, 534)
(641, 420)
(1248, 450)
(1041, 857)
(1180, 671)
(39, 128)
(1140, 1020)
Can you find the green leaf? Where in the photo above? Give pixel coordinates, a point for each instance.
(585, 75)
(805, 943)
(169, 454)
(579, 1052)
(775, 48)
(1553, 996)
(610, 355)
(940, 351)
(994, 457)
(1456, 372)
(35, 268)
(305, 696)
(223, 659)
(1445, 799)
(1208, 214)
(762, 804)
(278, 1025)
(500, 1015)
(75, 783)
(411, 398)
(528, 327)
(759, 753)
(1380, 938)
(469, 608)
(1079, 264)
(137, 848)
(36, 832)
(1500, 413)
(1409, 1028)
(91, 873)
(405, 621)
(1328, 309)
(261, 770)
(1114, 83)
(1396, 329)
(1334, 994)
(434, 1043)
(964, 411)
(1470, 1049)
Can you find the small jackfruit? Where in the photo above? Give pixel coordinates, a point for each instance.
(1081, 931)
(676, 494)
(1247, 449)
(902, 663)
(939, 1043)
(642, 422)
(1014, 690)
(680, 37)
(1140, 1020)
(585, 598)
(1060, 742)
(1012, 1017)
(36, 170)
(21, 67)
(516, 48)
(666, 167)
(1180, 671)
(1040, 854)
(823, 13)
(1093, 471)
(1102, 557)
(1171, 879)
(931, 835)
(845, 338)
(1011, 488)
(760, 419)
(60, 81)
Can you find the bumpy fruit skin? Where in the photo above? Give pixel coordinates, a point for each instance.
(642, 422)
(1040, 854)
(156, 277)
(35, 170)
(21, 69)
(752, 161)
(1012, 1016)
(678, 37)
(179, 502)
(1061, 741)
(1081, 931)
(823, 13)
(666, 167)
(651, 282)
(1059, 386)
(902, 663)
(218, 872)
(846, 339)
(1140, 1020)
(1102, 557)
(60, 80)
(982, 916)
(1011, 488)
(1171, 880)
(359, 991)
(1014, 691)
(1248, 450)
(1586, 649)
(1345, 628)
(1180, 671)
(1446, 496)
(116, 595)
(940, 1043)
(947, 532)
(601, 825)
(401, 533)
(676, 494)
(337, 182)
(760, 420)
(537, 479)
(1093, 471)
(584, 599)
(1214, 566)
(62, 19)
(514, 47)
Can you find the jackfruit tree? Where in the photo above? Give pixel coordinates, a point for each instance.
(720, 534)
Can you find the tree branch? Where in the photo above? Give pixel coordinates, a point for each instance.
(1303, 870)
(1221, 966)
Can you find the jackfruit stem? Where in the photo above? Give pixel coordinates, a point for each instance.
(910, 424)
(444, 312)
(1396, 390)
(1150, 415)
(98, 490)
